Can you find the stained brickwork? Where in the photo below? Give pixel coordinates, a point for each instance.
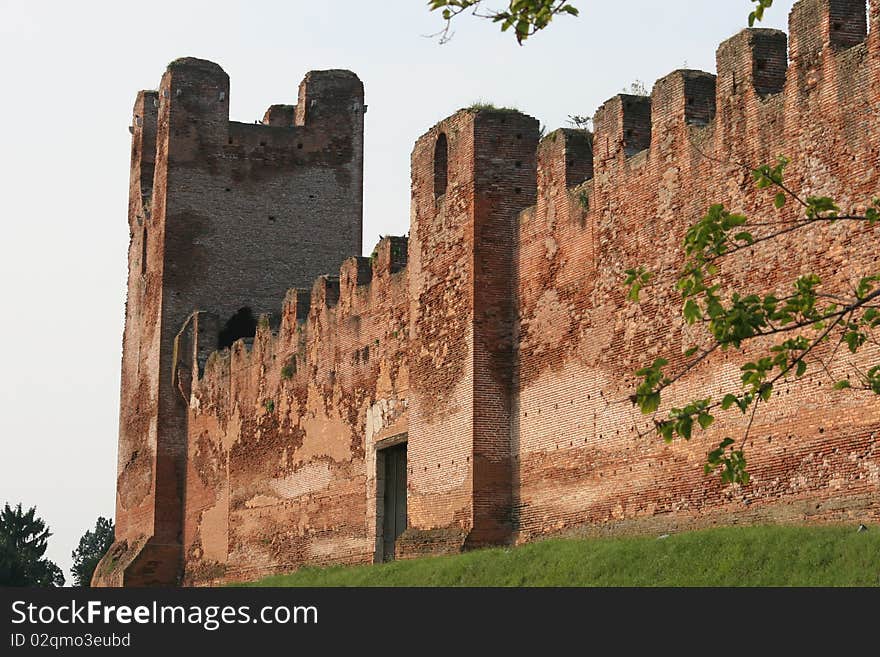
(496, 341)
(223, 216)
(587, 459)
(281, 433)
(461, 274)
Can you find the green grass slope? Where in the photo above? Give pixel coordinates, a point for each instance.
(728, 556)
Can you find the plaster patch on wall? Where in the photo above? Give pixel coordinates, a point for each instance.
(310, 478)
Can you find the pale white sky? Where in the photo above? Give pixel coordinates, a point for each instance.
(69, 72)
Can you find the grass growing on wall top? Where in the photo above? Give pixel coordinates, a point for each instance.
(484, 105)
(729, 556)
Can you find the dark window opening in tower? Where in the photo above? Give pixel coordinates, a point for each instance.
(144, 253)
(441, 166)
(241, 325)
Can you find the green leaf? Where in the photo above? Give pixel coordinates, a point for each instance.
(684, 427)
(692, 312)
(728, 401)
(779, 201)
(633, 294)
(636, 279)
(705, 420)
(854, 340)
(842, 385)
(650, 403)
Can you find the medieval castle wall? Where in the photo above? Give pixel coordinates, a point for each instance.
(496, 341)
(282, 436)
(586, 456)
(221, 217)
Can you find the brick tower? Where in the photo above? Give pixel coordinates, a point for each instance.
(224, 217)
(472, 175)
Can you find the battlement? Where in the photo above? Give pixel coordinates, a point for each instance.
(281, 116)
(322, 94)
(573, 149)
(819, 25)
(745, 99)
(224, 218)
(202, 85)
(454, 388)
(306, 316)
(683, 96)
(194, 93)
(622, 126)
(754, 60)
(143, 129)
(328, 95)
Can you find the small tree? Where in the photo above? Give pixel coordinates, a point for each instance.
(527, 17)
(789, 329)
(23, 541)
(92, 546)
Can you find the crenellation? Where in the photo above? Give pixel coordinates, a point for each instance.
(578, 156)
(390, 255)
(330, 97)
(622, 128)
(143, 128)
(294, 313)
(817, 25)
(354, 275)
(564, 160)
(752, 74)
(564, 156)
(325, 293)
(291, 327)
(363, 271)
(753, 61)
(281, 116)
(683, 97)
(193, 109)
(213, 231)
(273, 376)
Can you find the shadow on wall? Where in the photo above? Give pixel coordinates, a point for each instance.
(241, 325)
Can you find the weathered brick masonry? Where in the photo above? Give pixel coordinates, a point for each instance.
(495, 342)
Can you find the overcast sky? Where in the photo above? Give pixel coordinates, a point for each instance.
(69, 72)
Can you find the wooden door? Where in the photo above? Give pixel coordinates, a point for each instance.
(394, 518)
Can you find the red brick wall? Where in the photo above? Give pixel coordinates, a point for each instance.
(281, 460)
(505, 350)
(461, 269)
(440, 448)
(505, 183)
(586, 455)
(223, 206)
